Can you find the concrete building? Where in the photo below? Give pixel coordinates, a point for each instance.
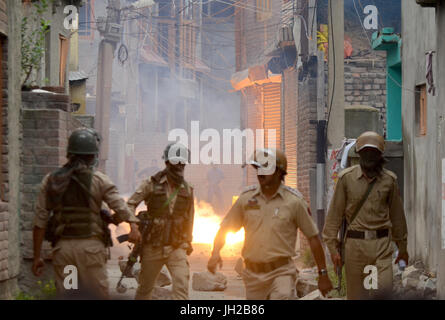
(53, 70)
(423, 131)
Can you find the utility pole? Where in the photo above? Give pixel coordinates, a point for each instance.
(110, 30)
(321, 121)
(336, 97)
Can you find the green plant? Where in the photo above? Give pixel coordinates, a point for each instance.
(34, 30)
(334, 279)
(24, 296)
(46, 291)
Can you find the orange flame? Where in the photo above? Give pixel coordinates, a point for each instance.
(206, 226)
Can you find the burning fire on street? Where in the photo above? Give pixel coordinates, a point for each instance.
(207, 225)
(205, 228)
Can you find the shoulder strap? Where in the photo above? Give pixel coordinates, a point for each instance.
(83, 186)
(167, 202)
(362, 202)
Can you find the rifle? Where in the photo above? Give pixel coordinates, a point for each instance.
(341, 250)
(344, 230)
(144, 227)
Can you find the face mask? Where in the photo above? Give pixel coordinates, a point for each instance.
(177, 176)
(371, 163)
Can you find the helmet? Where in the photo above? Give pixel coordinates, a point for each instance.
(262, 157)
(84, 141)
(370, 140)
(176, 153)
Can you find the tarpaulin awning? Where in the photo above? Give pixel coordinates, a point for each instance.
(251, 76)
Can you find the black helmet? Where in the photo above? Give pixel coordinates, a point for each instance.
(84, 141)
(176, 153)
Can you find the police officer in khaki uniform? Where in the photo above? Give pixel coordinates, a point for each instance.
(169, 201)
(380, 220)
(74, 195)
(271, 214)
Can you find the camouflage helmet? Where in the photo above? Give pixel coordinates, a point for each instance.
(261, 157)
(176, 153)
(370, 140)
(84, 141)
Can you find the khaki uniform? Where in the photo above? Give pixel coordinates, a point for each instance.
(154, 257)
(382, 210)
(270, 239)
(89, 255)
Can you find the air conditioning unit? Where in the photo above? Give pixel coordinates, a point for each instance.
(113, 32)
(428, 3)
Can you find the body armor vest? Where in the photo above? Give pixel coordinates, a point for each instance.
(168, 227)
(73, 217)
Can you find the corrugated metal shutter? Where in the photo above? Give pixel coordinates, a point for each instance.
(254, 120)
(290, 125)
(272, 112)
(287, 13)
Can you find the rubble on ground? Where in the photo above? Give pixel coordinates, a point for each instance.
(414, 283)
(306, 282)
(207, 281)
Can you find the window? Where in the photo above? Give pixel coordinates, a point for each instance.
(63, 54)
(264, 10)
(188, 10)
(163, 43)
(421, 110)
(87, 20)
(165, 8)
(188, 50)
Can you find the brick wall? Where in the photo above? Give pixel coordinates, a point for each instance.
(4, 186)
(365, 84)
(307, 134)
(46, 128)
(306, 141)
(4, 275)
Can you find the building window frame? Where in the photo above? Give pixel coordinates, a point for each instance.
(421, 109)
(86, 24)
(263, 10)
(63, 59)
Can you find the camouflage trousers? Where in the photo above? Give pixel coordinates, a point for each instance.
(152, 261)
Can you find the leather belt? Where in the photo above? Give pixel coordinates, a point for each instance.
(266, 267)
(368, 235)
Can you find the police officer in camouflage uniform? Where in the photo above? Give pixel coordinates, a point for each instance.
(169, 201)
(68, 213)
(271, 213)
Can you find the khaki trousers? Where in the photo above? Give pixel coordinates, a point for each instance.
(362, 253)
(275, 285)
(80, 263)
(152, 261)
